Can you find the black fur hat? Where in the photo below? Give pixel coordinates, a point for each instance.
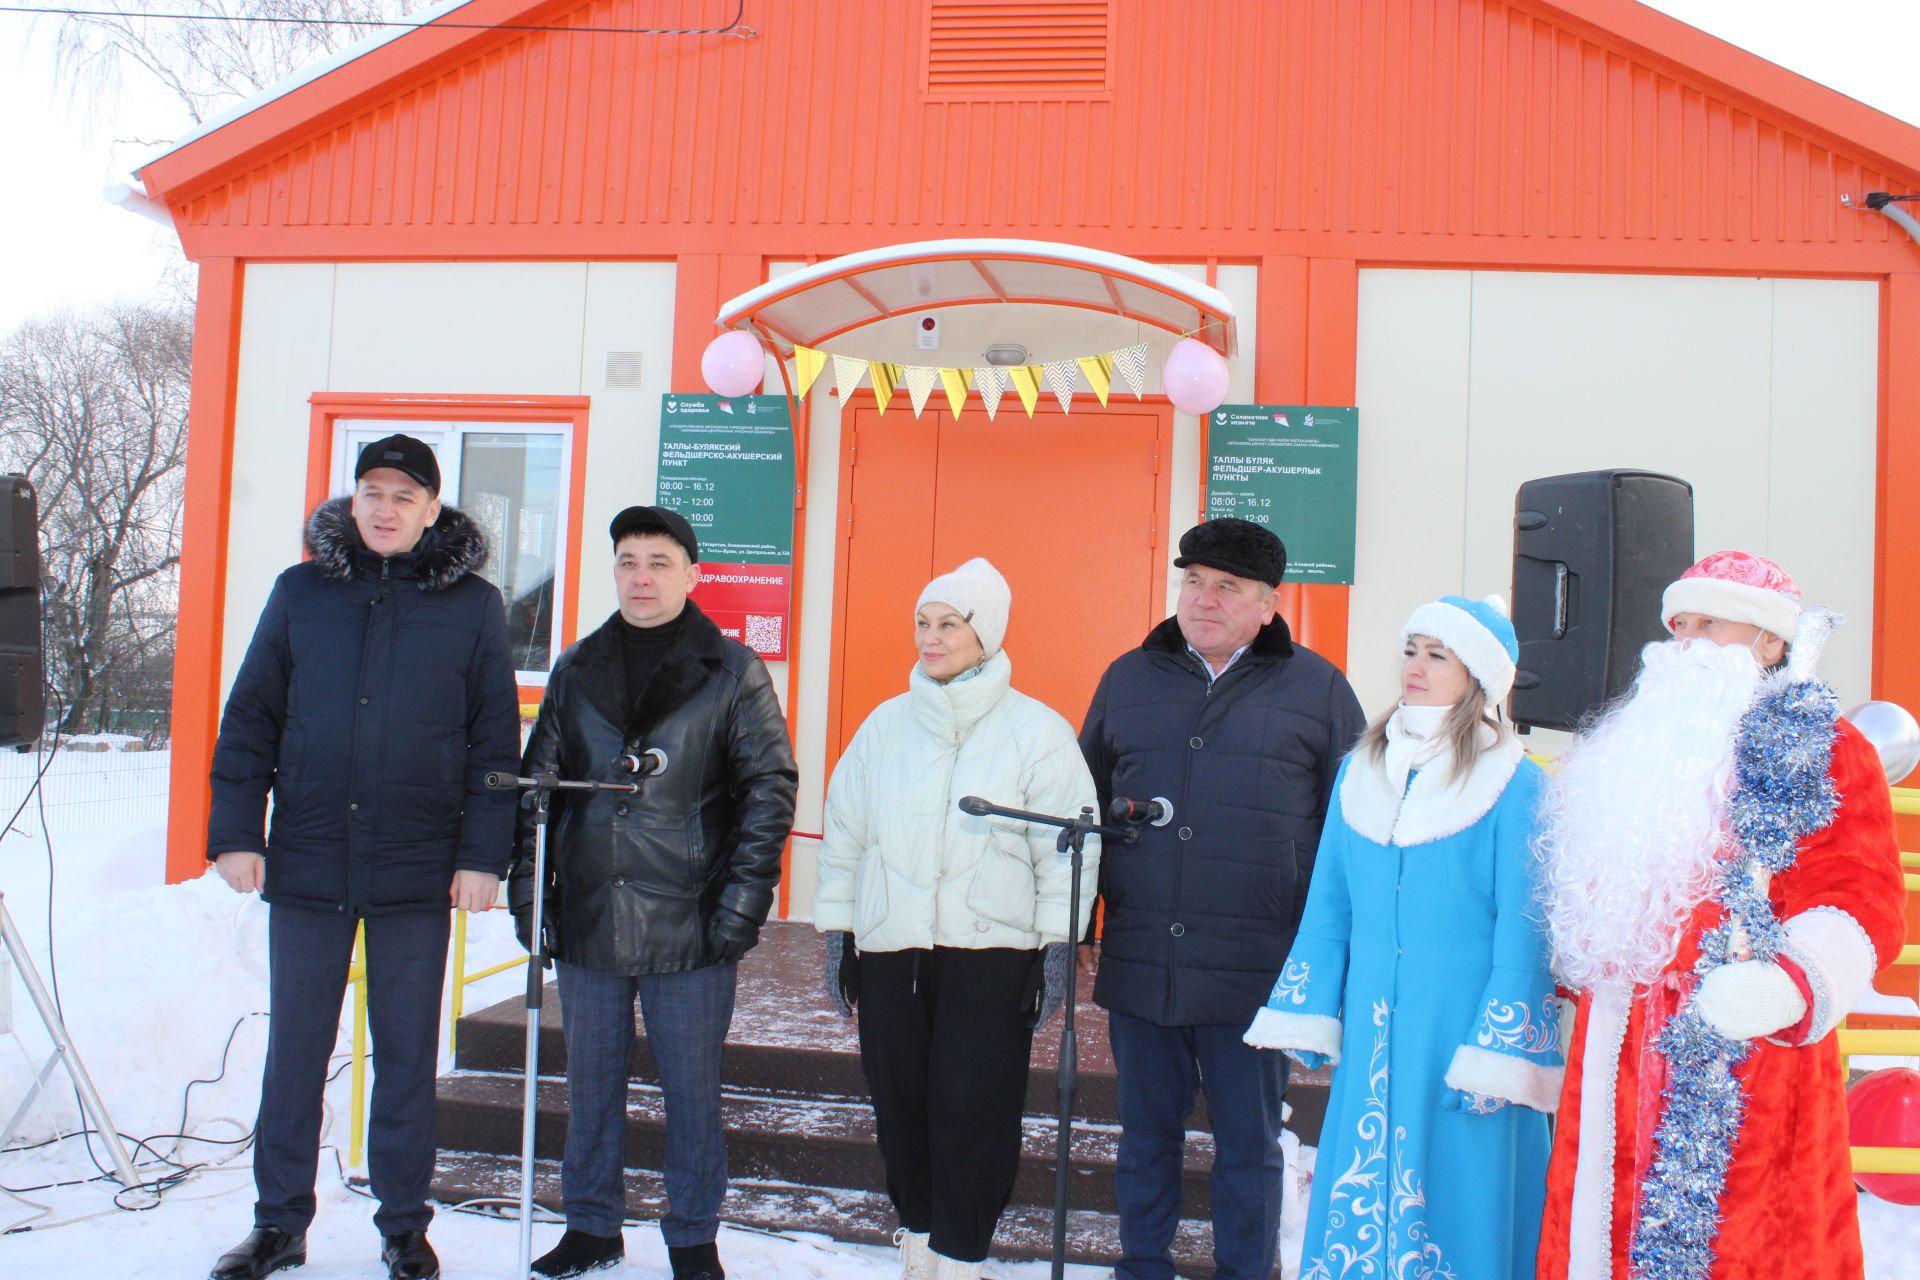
(1239, 547)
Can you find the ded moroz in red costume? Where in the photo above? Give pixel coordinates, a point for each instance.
(1683, 944)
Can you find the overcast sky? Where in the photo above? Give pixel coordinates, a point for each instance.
(62, 246)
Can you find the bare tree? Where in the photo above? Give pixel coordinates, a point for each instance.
(205, 62)
(93, 408)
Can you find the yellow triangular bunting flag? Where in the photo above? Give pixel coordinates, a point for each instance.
(1132, 364)
(920, 383)
(807, 364)
(847, 372)
(992, 381)
(1099, 371)
(954, 382)
(1060, 381)
(885, 378)
(1026, 381)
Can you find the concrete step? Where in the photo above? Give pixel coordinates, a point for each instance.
(816, 1142)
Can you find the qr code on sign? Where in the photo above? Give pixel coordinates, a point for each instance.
(763, 632)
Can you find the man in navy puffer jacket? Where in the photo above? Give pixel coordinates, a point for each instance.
(376, 695)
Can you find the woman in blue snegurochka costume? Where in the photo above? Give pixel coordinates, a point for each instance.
(1420, 972)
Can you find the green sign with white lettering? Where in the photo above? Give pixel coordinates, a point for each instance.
(727, 466)
(1295, 469)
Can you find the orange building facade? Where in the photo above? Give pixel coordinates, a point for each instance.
(1400, 195)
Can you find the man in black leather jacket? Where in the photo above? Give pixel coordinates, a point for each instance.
(655, 896)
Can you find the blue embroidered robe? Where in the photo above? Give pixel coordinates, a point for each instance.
(1420, 970)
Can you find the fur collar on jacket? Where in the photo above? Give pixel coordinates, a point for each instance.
(1274, 640)
(448, 552)
(600, 667)
(1436, 805)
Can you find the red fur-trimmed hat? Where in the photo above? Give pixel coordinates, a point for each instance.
(1736, 587)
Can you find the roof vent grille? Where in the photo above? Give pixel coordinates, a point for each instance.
(1006, 51)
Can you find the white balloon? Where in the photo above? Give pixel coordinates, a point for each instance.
(1894, 733)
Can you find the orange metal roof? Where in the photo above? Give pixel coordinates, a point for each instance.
(1576, 132)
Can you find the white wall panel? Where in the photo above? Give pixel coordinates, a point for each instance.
(474, 328)
(1824, 428)
(1761, 393)
(285, 326)
(628, 307)
(1411, 385)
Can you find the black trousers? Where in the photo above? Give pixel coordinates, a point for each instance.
(944, 1042)
(309, 953)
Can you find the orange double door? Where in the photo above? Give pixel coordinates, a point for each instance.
(1072, 508)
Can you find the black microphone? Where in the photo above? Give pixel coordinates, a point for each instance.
(1157, 812)
(646, 764)
(975, 806)
(503, 781)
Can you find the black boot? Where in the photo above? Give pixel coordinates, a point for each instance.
(695, 1262)
(262, 1253)
(409, 1257)
(578, 1253)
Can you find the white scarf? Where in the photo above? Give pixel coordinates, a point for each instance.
(1414, 740)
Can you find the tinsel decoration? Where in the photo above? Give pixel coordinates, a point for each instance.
(1782, 793)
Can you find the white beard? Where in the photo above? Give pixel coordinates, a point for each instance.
(1631, 829)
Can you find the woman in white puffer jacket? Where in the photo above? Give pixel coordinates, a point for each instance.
(959, 929)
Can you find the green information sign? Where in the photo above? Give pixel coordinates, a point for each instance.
(727, 466)
(1296, 469)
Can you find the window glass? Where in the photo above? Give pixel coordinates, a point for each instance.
(510, 485)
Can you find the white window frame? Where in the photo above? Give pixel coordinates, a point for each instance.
(444, 436)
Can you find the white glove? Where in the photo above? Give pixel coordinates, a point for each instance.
(1747, 999)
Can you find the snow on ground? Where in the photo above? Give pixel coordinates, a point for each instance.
(164, 986)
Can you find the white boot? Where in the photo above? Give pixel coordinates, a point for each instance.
(946, 1268)
(916, 1259)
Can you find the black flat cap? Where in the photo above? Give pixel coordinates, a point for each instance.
(1239, 547)
(412, 458)
(655, 520)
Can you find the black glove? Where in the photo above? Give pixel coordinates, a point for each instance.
(730, 935)
(523, 927)
(840, 973)
(1046, 988)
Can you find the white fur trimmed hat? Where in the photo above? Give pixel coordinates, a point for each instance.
(981, 595)
(1736, 587)
(1480, 635)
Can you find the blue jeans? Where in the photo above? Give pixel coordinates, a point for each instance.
(1159, 1069)
(309, 953)
(687, 1016)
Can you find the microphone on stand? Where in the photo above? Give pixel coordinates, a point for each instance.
(643, 764)
(1157, 812)
(974, 806)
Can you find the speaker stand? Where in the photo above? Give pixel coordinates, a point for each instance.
(93, 1111)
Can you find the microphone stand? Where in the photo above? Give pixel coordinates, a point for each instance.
(1073, 838)
(540, 790)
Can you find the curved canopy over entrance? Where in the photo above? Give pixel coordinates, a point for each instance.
(814, 305)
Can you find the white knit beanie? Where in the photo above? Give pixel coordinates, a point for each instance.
(980, 594)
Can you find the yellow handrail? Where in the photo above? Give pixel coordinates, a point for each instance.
(1891, 1043)
(357, 1120)
(1886, 1159)
(456, 1005)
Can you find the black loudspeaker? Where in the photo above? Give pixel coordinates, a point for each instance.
(1592, 554)
(23, 707)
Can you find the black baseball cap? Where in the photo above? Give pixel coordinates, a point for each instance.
(655, 520)
(410, 457)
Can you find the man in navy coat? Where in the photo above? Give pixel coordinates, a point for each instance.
(376, 695)
(1219, 712)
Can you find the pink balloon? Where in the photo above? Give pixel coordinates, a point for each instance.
(1195, 376)
(733, 364)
